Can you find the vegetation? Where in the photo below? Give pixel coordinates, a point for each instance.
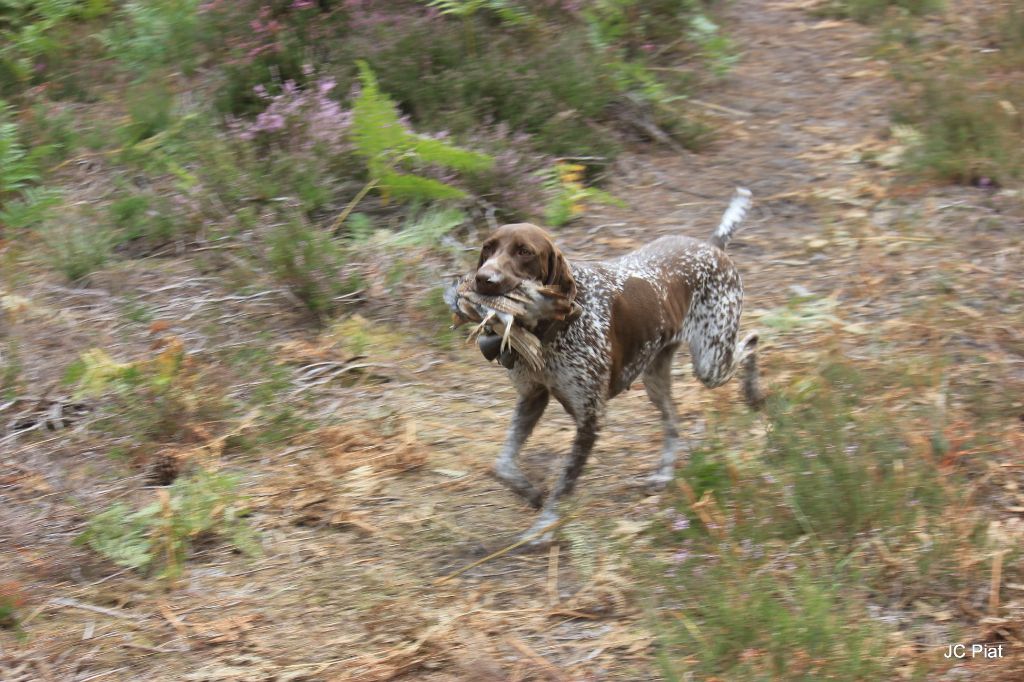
(962, 123)
(162, 533)
(875, 10)
(386, 146)
(226, 232)
(291, 139)
(776, 558)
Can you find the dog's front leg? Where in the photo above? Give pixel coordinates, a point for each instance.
(529, 409)
(586, 436)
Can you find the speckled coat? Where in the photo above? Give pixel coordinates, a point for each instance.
(636, 311)
(673, 290)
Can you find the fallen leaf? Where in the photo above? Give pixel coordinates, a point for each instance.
(626, 528)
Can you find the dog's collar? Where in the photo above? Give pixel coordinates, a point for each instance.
(546, 330)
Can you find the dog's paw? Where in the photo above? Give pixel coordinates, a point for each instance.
(516, 481)
(541, 533)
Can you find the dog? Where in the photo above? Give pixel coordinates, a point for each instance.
(635, 312)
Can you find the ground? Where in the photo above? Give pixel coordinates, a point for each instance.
(356, 547)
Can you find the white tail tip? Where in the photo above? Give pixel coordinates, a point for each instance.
(733, 216)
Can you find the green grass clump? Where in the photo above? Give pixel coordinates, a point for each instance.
(845, 467)
(962, 120)
(872, 10)
(775, 565)
(158, 537)
(311, 265)
(967, 135)
(76, 249)
(748, 620)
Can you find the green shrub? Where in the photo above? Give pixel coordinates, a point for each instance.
(55, 127)
(22, 205)
(34, 34)
(746, 620)
(843, 470)
(155, 34)
(76, 249)
(311, 265)
(150, 111)
(774, 559)
(962, 119)
(237, 96)
(161, 534)
(18, 167)
(556, 90)
(871, 10)
(33, 207)
(147, 219)
(159, 399)
(713, 46)
(276, 46)
(967, 135)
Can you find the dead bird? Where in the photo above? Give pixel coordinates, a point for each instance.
(509, 320)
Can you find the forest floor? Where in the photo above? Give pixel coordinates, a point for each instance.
(356, 539)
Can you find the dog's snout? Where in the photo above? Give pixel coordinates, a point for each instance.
(488, 282)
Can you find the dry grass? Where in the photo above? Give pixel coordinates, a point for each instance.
(363, 448)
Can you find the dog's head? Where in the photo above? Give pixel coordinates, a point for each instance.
(519, 252)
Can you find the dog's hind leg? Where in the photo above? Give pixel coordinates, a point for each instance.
(711, 328)
(529, 409)
(658, 384)
(750, 382)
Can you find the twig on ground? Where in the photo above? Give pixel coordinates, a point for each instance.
(523, 648)
(75, 604)
(501, 552)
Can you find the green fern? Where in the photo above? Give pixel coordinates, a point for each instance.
(390, 148)
(17, 167)
(30, 29)
(30, 209)
(426, 228)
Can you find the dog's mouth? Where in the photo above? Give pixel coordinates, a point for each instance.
(488, 287)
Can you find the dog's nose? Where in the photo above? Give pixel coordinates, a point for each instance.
(487, 283)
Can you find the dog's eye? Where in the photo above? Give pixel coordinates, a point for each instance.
(524, 252)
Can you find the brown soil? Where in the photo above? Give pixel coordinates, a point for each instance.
(355, 545)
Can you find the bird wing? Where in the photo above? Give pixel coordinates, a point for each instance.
(528, 347)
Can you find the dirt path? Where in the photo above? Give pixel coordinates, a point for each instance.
(352, 592)
(805, 92)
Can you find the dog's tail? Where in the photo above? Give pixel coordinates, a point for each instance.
(732, 218)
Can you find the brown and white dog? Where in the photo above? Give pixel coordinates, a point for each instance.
(636, 311)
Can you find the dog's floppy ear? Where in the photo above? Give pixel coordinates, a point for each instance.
(559, 274)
